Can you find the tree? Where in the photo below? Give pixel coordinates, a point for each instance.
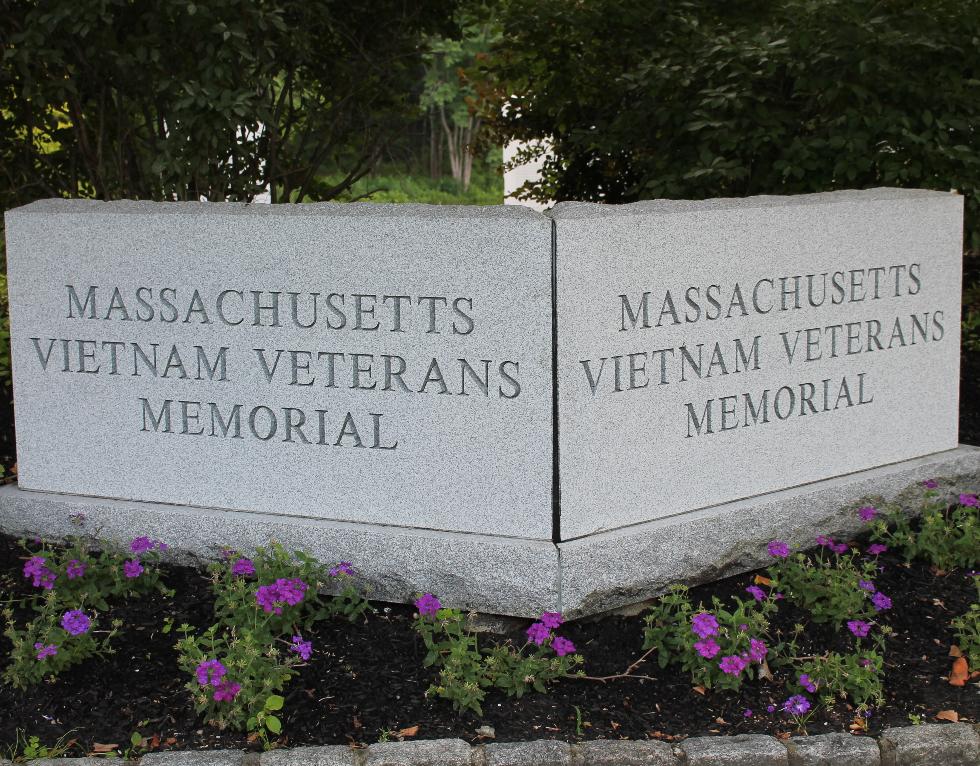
(702, 99)
(448, 95)
(218, 99)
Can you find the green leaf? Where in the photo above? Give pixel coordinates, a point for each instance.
(274, 702)
(273, 724)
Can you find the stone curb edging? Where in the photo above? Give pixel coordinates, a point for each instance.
(953, 744)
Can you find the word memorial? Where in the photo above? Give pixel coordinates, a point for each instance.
(518, 411)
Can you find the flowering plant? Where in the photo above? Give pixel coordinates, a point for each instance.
(466, 671)
(719, 647)
(967, 628)
(264, 605)
(948, 533)
(69, 586)
(857, 675)
(834, 585)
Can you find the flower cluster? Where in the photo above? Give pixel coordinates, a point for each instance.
(212, 673)
(705, 626)
(45, 651)
(75, 569)
(969, 501)
(428, 605)
(796, 705)
(343, 568)
(283, 592)
(75, 622)
(830, 544)
(303, 648)
(36, 569)
(144, 544)
(243, 567)
(540, 631)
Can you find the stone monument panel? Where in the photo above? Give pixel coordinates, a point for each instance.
(365, 363)
(714, 351)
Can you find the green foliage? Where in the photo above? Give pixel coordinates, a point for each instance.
(466, 671)
(102, 580)
(391, 184)
(947, 534)
(668, 630)
(29, 747)
(177, 100)
(827, 585)
(967, 628)
(255, 644)
(857, 675)
(702, 99)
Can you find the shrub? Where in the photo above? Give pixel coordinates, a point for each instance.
(718, 647)
(833, 586)
(967, 629)
(263, 607)
(947, 536)
(705, 99)
(73, 587)
(466, 671)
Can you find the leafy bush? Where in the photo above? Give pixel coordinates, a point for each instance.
(705, 99)
(833, 586)
(857, 675)
(263, 607)
(74, 585)
(719, 648)
(466, 671)
(967, 628)
(947, 534)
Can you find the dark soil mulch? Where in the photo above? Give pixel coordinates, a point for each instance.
(368, 678)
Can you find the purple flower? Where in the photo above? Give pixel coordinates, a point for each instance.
(757, 650)
(747, 713)
(930, 484)
(428, 605)
(141, 545)
(36, 569)
(303, 648)
(132, 569)
(970, 500)
(226, 691)
(778, 549)
(243, 567)
(343, 568)
(75, 622)
(824, 542)
(210, 672)
(866, 585)
(796, 705)
(283, 592)
(840, 548)
(538, 633)
(562, 646)
(75, 569)
(756, 592)
(552, 620)
(858, 627)
(733, 665)
(807, 683)
(770, 708)
(877, 548)
(867, 512)
(742, 628)
(864, 663)
(704, 624)
(707, 648)
(881, 602)
(43, 652)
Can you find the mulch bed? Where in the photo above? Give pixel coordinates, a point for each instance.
(367, 678)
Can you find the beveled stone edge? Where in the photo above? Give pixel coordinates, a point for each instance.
(559, 753)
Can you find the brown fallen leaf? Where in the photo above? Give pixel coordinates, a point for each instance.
(700, 690)
(960, 673)
(948, 715)
(760, 580)
(783, 735)
(614, 725)
(98, 747)
(765, 672)
(409, 731)
(955, 651)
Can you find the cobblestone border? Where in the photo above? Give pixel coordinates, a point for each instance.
(953, 744)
